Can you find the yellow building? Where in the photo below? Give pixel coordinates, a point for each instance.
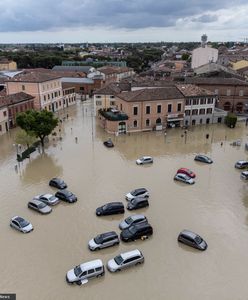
(6, 64)
(239, 64)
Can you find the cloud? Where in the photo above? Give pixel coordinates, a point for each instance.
(45, 15)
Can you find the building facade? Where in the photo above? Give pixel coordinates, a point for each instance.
(3, 117)
(6, 64)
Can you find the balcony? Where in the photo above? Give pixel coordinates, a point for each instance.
(113, 115)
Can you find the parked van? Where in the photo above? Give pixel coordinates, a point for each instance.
(81, 273)
(241, 164)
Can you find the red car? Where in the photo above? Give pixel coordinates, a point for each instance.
(187, 172)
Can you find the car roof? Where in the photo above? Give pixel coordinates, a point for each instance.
(129, 254)
(136, 217)
(242, 161)
(141, 225)
(91, 264)
(146, 157)
(47, 195)
(35, 201)
(17, 218)
(108, 234)
(63, 192)
(139, 199)
(114, 203)
(245, 173)
(140, 190)
(189, 233)
(182, 174)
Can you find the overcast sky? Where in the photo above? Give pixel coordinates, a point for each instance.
(122, 21)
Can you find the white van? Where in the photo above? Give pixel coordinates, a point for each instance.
(81, 273)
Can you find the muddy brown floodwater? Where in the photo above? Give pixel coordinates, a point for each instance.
(34, 265)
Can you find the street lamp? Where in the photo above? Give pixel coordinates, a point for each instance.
(18, 148)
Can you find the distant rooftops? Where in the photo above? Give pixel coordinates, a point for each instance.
(34, 76)
(85, 69)
(15, 98)
(215, 81)
(191, 90)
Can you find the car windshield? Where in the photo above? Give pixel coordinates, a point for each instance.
(187, 177)
(67, 193)
(118, 259)
(132, 229)
(198, 239)
(105, 207)
(52, 198)
(77, 270)
(42, 205)
(23, 223)
(98, 239)
(59, 181)
(129, 220)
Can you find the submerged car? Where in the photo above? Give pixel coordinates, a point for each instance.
(125, 260)
(141, 192)
(104, 240)
(192, 239)
(137, 203)
(108, 143)
(21, 224)
(111, 208)
(66, 196)
(244, 175)
(132, 220)
(39, 206)
(203, 158)
(184, 178)
(186, 171)
(81, 273)
(144, 160)
(135, 232)
(49, 199)
(241, 164)
(58, 183)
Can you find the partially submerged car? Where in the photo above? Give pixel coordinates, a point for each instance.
(108, 143)
(187, 172)
(58, 183)
(192, 239)
(111, 208)
(104, 240)
(81, 273)
(49, 199)
(144, 160)
(39, 206)
(132, 220)
(21, 224)
(184, 178)
(141, 192)
(203, 158)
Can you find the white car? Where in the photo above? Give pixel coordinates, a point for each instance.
(244, 175)
(144, 160)
(21, 224)
(141, 192)
(49, 199)
(184, 178)
(125, 260)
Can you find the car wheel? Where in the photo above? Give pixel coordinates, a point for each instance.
(118, 270)
(98, 214)
(138, 263)
(78, 282)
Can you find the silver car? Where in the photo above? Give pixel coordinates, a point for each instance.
(104, 240)
(184, 178)
(49, 199)
(144, 160)
(39, 206)
(132, 220)
(21, 224)
(125, 260)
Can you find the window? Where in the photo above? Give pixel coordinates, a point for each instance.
(5, 113)
(45, 98)
(112, 97)
(98, 269)
(241, 93)
(147, 122)
(135, 123)
(112, 102)
(48, 96)
(135, 110)
(210, 101)
(0, 127)
(169, 108)
(195, 101)
(179, 106)
(195, 112)
(209, 110)
(203, 101)
(158, 121)
(98, 102)
(121, 106)
(200, 121)
(202, 111)
(228, 92)
(91, 271)
(23, 87)
(159, 109)
(188, 101)
(187, 112)
(98, 97)
(148, 110)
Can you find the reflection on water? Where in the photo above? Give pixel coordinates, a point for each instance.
(216, 207)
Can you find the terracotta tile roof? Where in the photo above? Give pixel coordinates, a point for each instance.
(114, 70)
(166, 93)
(113, 89)
(34, 76)
(191, 90)
(16, 98)
(215, 81)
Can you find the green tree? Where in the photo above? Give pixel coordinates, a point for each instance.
(37, 123)
(231, 120)
(24, 139)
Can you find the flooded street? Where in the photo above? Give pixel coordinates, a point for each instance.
(34, 265)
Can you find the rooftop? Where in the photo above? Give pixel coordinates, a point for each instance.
(153, 94)
(15, 98)
(34, 76)
(215, 81)
(85, 69)
(191, 90)
(113, 89)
